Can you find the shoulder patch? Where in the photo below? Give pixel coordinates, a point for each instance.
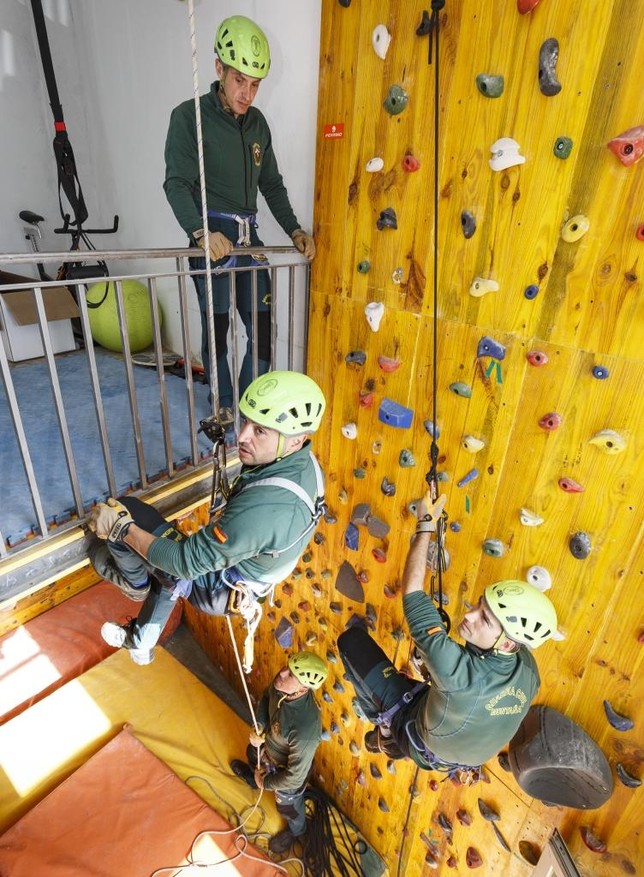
(219, 534)
(432, 631)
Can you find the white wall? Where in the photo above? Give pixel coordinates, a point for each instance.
(122, 65)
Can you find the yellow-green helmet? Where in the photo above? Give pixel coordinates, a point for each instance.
(525, 613)
(241, 44)
(308, 669)
(290, 402)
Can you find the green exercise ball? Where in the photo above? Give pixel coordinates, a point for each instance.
(103, 315)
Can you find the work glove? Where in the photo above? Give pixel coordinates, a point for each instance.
(110, 520)
(256, 740)
(428, 511)
(304, 243)
(220, 246)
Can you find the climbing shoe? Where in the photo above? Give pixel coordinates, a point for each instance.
(105, 566)
(281, 842)
(243, 771)
(377, 741)
(117, 636)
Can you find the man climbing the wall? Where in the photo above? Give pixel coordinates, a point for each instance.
(290, 727)
(272, 510)
(238, 161)
(477, 694)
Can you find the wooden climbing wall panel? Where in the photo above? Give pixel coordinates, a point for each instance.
(585, 312)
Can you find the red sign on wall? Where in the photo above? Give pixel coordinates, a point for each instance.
(334, 132)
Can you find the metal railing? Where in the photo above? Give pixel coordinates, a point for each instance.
(289, 283)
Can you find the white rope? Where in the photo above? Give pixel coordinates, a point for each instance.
(214, 381)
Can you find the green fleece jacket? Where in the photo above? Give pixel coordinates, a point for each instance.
(476, 701)
(293, 730)
(254, 521)
(238, 160)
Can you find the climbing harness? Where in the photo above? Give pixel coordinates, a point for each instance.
(464, 774)
(384, 719)
(244, 225)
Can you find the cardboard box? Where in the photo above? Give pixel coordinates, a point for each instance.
(19, 319)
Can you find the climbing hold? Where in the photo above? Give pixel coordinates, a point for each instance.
(451, 862)
(493, 548)
(382, 805)
(627, 778)
(570, 486)
(470, 476)
(580, 545)
(539, 577)
(628, 146)
(529, 519)
(468, 224)
(363, 266)
(350, 431)
(594, 843)
(374, 165)
(525, 6)
(473, 858)
(619, 722)
(608, 440)
(548, 56)
(380, 39)
(529, 852)
(324, 734)
(365, 400)
(446, 825)
(387, 364)
(472, 444)
(351, 537)
(490, 85)
(537, 357)
(455, 527)
(336, 608)
(531, 292)
(394, 414)
(396, 100)
(374, 313)
(464, 817)
(376, 447)
(331, 657)
(379, 555)
(345, 3)
(562, 147)
(310, 639)
(391, 766)
(377, 527)
(388, 487)
(356, 357)
(461, 389)
(504, 761)
(323, 623)
(505, 154)
(575, 228)
(442, 476)
(551, 421)
(326, 697)
(387, 219)
(639, 233)
(360, 472)
(489, 347)
(360, 514)
(501, 839)
(354, 749)
(304, 605)
(337, 685)
(431, 428)
(480, 286)
(284, 633)
(287, 589)
(425, 26)
(410, 163)
(487, 812)
(600, 372)
(326, 574)
(375, 773)
(347, 583)
(397, 275)
(406, 459)
(343, 497)
(389, 592)
(432, 562)
(319, 538)
(361, 778)
(371, 615)
(295, 618)
(334, 728)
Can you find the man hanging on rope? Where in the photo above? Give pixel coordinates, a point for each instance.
(290, 728)
(477, 694)
(272, 510)
(238, 161)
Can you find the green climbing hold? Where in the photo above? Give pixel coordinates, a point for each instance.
(406, 459)
(396, 100)
(562, 147)
(489, 85)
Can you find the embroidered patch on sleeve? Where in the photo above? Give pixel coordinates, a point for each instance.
(432, 631)
(219, 534)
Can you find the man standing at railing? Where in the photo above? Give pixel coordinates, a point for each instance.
(238, 161)
(272, 510)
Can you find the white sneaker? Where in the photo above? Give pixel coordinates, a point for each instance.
(115, 635)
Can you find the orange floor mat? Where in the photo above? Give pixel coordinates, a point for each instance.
(59, 645)
(123, 812)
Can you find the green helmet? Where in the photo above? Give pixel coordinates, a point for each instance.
(239, 43)
(525, 613)
(308, 669)
(290, 402)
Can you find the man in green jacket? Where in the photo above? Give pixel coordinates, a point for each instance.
(280, 754)
(269, 518)
(478, 693)
(239, 161)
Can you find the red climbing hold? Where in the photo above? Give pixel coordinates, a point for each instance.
(628, 146)
(387, 364)
(536, 357)
(570, 486)
(410, 163)
(473, 858)
(525, 6)
(551, 421)
(379, 555)
(591, 840)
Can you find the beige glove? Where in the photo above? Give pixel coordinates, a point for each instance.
(110, 520)
(220, 246)
(428, 512)
(304, 243)
(256, 739)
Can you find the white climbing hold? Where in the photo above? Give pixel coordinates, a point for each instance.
(374, 312)
(482, 285)
(505, 154)
(380, 39)
(350, 431)
(608, 440)
(559, 635)
(374, 165)
(539, 577)
(529, 519)
(472, 444)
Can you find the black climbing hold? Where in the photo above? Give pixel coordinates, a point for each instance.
(468, 224)
(345, 3)
(580, 545)
(348, 584)
(501, 839)
(388, 487)
(619, 722)
(425, 25)
(487, 812)
(446, 825)
(387, 219)
(548, 56)
(504, 761)
(627, 778)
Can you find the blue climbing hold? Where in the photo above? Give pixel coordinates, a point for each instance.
(284, 633)
(531, 291)
(470, 476)
(455, 527)
(460, 388)
(394, 414)
(489, 347)
(600, 372)
(351, 537)
(359, 357)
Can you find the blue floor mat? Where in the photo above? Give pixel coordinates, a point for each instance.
(36, 403)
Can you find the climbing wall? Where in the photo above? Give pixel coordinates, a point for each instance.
(538, 405)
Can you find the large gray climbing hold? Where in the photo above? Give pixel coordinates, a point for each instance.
(468, 224)
(348, 583)
(580, 545)
(490, 85)
(548, 56)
